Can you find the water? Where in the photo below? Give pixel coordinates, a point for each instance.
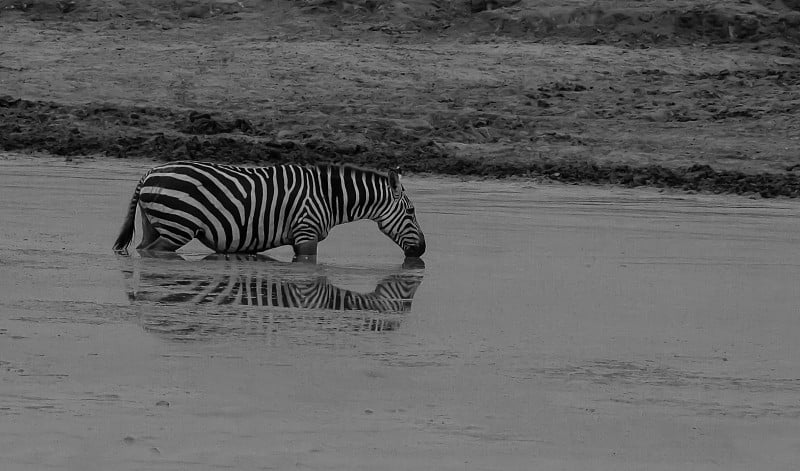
(551, 326)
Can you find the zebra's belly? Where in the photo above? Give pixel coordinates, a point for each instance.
(221, 237)
(241, 240)
(238, 246)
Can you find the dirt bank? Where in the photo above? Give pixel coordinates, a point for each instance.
(677, 95)
(82, 130)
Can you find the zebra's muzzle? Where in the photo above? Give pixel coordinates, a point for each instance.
(416, 250)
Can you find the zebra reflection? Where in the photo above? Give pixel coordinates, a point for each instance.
(192, 305)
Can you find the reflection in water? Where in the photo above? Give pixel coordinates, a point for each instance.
(251, 295)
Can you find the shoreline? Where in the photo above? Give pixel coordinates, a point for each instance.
(70, 130)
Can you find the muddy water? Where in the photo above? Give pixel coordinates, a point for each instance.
(551, 327)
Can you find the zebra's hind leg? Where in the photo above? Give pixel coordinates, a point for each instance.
(149, 233)
(160, 253)
(160, 245)
(153, 241)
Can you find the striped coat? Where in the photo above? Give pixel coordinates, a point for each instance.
(233, 209)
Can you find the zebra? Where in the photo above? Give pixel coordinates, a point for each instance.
(235, 209)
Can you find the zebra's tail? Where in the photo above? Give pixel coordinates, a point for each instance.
(126, 232)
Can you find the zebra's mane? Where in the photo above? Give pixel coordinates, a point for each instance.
(369, 171)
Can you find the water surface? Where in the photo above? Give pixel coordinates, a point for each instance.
(551, 326)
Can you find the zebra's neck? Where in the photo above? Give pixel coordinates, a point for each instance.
(353, 193)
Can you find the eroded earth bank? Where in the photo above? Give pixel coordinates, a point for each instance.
(699, 97)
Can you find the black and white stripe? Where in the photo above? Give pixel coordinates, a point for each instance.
(235, 209)
(196, 306)
(393, 294)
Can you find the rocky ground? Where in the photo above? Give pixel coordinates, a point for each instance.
(697, 96)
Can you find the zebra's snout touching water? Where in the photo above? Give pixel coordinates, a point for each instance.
(234, 209)
(180, 300)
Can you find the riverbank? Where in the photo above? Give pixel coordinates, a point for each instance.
(671, 103)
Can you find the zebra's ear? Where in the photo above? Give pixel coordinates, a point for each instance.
(394, 184)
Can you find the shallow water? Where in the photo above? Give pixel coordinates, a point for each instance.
(554, 326)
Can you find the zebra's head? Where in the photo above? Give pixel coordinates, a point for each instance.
(399, 222)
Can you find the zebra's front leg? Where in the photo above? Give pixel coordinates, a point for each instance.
(305, 251)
